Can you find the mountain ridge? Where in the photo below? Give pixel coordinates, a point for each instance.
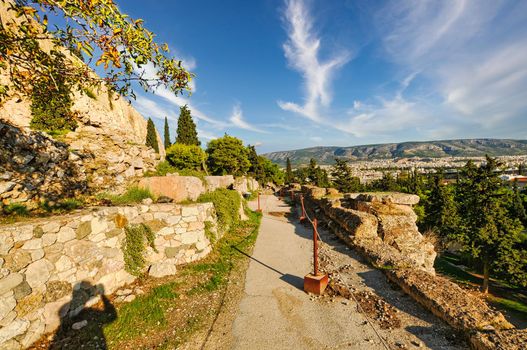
(477, 147)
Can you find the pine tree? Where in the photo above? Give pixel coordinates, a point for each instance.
(487, 233)
(151, 135)
(289, 177)
(186, 128)
(343, 178)
(440, 208)
(167, 134)
(517, 208)
(257, 169)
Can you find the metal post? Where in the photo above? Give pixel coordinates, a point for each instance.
(303, 215)
(292, 196)
(315, 247)
(259, 210)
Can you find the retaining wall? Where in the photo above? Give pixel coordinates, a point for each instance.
(44, 262)
(485, 328)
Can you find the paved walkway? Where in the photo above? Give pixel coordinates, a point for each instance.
(275, 313)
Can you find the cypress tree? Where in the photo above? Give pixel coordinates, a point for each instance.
(289, 177)
(186, 128)
(167, 134)
(344, 181)
(151, 137)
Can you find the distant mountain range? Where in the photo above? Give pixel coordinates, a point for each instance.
(430, 149)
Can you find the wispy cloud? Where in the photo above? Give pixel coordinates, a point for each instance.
(302, 51)
(472, 54)
(237, 120)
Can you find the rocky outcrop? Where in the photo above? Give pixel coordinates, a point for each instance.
(53, 268)
(35, 167)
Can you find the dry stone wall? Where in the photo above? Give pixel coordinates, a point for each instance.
(54, 267)
(381, 228)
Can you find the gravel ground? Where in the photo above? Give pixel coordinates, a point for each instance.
(396, 316)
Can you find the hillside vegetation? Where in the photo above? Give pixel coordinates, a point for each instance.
(431, 149)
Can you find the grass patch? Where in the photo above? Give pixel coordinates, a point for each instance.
(65, 205)
(132, 195)
(15, 209)
(152, 312)
(142, 314)
(164, 168)
(444, 266)
(512, 305)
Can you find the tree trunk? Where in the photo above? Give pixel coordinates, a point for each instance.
(485, 287)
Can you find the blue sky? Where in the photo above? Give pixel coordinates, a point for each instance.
(287, 74)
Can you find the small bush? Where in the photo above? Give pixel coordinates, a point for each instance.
(89, 92)
(15, 209)
(164, 168)
(134, 246)
(227, 203)
(132, 195)
(63, 205)
(186, 156)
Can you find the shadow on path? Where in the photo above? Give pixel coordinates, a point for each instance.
(295, 281)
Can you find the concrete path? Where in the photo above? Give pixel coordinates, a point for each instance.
(275, 313)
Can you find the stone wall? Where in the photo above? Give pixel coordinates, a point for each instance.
(373, 224)
(53, 267)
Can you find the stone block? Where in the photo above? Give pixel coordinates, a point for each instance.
(38, 273)
(189, 237)
(84, 229)
(51, 227)
(7, 304)
(17, 260)
(50, 238)
(162, 269)
(178, 188)
(6, 243)
(35, 243)
(29, 304)
(13, 329)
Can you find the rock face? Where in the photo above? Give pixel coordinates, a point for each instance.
(81, 254)
(35, 167)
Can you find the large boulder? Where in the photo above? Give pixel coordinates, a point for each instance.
(179, 188)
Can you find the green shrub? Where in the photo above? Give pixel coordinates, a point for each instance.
(186, 156)
(134, 246)
(132, 195)
(51, 102)
(63, 205)
(15, 209)
(227, 203)
(89, 92)
(164, 168)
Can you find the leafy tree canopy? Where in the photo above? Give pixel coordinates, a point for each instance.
(92, 31)
(228, 155)
(186, 156)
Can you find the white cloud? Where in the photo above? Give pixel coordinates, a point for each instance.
(471, 53)
(302, 53)
(384, 118)
(148, 71)
(237, 120)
